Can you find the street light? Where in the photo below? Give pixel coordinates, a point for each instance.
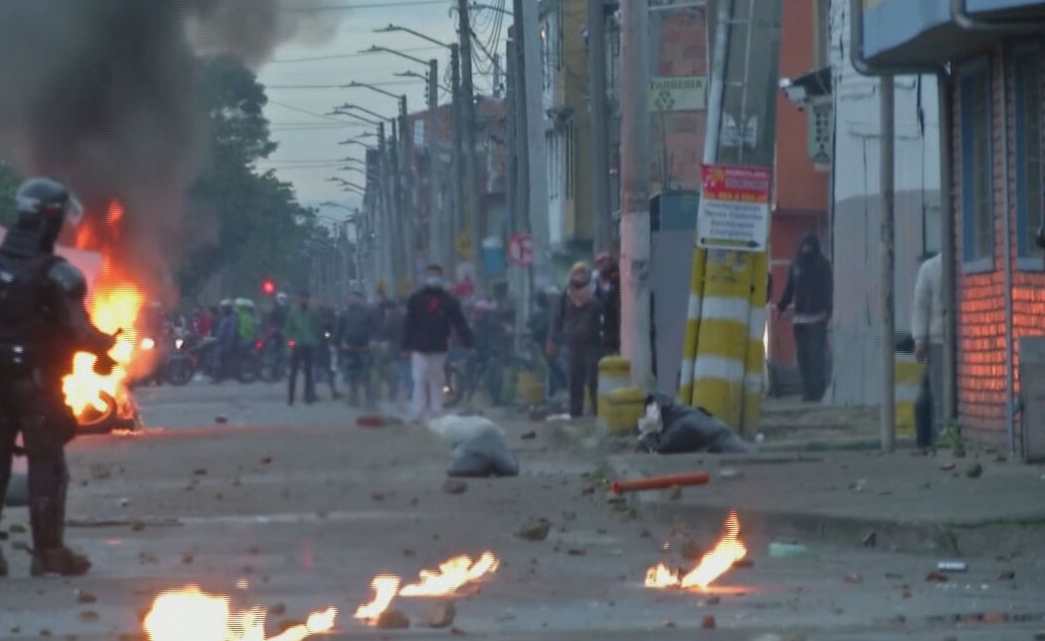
(394, 27)
(356, 142)
(331, 203)
(377, 49)
(349, 105)
(368, 121)
(414, 74)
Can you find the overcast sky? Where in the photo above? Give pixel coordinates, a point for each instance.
(309, 152)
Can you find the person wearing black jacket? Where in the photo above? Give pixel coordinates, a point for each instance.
(431, 313)
(810, 288)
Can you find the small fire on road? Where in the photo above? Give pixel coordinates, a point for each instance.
(190, 613)
(714, 564)
(452, 575)
(385, 587)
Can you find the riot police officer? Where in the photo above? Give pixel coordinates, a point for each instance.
(43, 322)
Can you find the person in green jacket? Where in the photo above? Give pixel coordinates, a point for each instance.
(304, 335)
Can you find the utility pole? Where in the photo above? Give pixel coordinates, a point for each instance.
(459, 217)
(888, 267)
(635, 177)
(406, 235)
(470, 170)
(600, 146)
(536, 175)
(386, 215)
(437, 246)
(496, 58)
(397, 208)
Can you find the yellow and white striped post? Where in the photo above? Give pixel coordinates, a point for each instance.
(693, 310)
(756, 348)
(720, 366)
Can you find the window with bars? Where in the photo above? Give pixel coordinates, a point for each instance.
(976, 189)
(1029, 198)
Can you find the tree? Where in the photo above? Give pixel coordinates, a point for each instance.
(260, 225)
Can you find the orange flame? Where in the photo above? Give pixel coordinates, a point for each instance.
(451, 575)
(385, 587)
(189, 613)
(712, 565)
(115, 303)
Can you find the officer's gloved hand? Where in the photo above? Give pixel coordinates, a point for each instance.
(104, 365)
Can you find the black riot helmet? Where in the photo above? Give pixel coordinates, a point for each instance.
(43, 206)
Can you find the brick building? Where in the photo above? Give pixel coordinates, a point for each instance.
(993, 99)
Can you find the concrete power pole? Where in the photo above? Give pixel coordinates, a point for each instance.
(600, 147)
(635, 178)
(888, 267)
(457, 217)
(438, 249)
(530, 88)
(471, 173)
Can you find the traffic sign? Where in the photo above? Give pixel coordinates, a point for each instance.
(734, 208)
(520, 249)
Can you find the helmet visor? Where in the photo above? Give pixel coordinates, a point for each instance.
(73, 211)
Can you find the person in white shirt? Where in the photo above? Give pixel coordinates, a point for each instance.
(927, 328)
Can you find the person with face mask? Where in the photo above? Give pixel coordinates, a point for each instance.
(810, 288)
(305, 336)
(431, 314)
(577, 324)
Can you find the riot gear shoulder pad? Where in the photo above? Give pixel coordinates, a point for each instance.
(68, 278)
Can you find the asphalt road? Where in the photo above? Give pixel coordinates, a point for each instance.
(298, 507)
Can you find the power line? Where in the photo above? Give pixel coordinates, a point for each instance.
(387, 83)
(371, 5)
(308, 113)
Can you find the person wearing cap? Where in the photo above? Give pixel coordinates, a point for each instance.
(304, 334)
(577, 324)
(431, 314)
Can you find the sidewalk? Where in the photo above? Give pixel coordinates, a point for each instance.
(903, 502)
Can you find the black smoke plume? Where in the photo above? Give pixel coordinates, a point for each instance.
(101, 94)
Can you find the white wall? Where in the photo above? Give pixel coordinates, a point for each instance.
(856, 221)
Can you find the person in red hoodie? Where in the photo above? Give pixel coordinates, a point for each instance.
(431, 314)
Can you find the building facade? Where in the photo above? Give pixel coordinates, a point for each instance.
(991, 54)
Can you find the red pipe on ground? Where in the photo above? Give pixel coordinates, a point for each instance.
(660, 482)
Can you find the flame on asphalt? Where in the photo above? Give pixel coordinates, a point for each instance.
(713, 565)
(452, 575)
(189, 614)
(385, 587)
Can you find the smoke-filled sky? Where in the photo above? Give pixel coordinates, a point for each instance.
(305, 137)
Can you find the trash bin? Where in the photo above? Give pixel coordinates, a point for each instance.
(614, 374)
(624, 409)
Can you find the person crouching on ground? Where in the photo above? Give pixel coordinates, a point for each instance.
(577, 324)
(431, 313)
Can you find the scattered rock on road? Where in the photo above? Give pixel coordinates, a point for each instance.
(441, 616)
(392, 620)
(535, 530)
(84, 597)
(974, 471)
(455, 486)
(936, 577)
(707, 623)
(527, 436)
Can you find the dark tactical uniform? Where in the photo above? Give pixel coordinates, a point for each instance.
(43, 322)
